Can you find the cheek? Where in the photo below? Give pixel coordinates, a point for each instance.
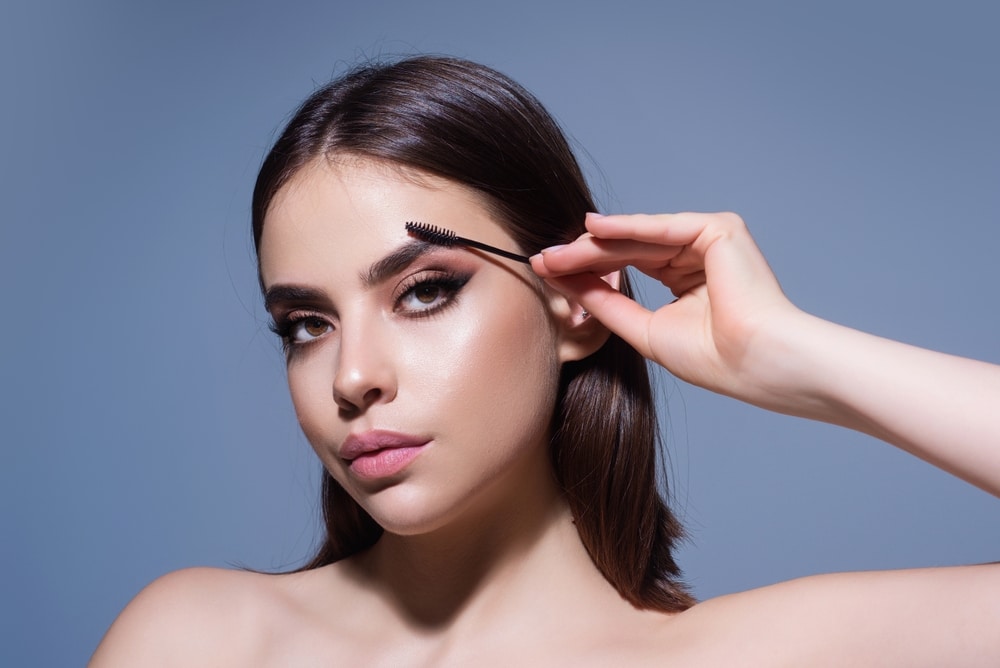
(310, 384)
(495, 372)
(488, 373)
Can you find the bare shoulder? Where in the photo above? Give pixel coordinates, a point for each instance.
(923, 617)
(200, 616)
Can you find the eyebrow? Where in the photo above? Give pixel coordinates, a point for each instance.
(396, 261)
(380, 271)
(282, 294)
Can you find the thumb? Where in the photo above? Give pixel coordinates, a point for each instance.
(622, 315)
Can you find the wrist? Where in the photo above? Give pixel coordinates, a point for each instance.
(794, 366)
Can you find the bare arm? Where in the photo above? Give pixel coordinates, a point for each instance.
(941, 408)
(733, 331)
(913, 618)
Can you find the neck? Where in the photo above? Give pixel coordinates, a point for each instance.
(521, 546)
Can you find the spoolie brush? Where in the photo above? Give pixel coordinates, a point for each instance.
(442, 237)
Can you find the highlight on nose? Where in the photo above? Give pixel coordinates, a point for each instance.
(361, 382)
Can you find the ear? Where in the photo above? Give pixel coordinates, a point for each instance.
(580, 334)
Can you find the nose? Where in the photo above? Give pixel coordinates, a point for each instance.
(365, 374)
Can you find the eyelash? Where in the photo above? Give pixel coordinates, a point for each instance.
(448, 283)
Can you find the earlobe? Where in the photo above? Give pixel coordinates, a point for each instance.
(581, 334)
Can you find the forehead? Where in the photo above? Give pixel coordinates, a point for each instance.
(352, 212)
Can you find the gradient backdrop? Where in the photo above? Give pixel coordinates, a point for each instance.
(145, 422)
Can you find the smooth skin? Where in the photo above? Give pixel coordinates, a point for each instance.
(483, 565)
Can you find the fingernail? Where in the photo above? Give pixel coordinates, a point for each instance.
(594, 214)
(552, 249)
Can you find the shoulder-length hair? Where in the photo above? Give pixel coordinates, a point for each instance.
(475, 126)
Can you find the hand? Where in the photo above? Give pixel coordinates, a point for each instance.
(729, 309)
(733, 331)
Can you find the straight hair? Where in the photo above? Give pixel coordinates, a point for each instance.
(475, 126)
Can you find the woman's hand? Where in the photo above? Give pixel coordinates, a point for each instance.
(732, 330)
(730, 307)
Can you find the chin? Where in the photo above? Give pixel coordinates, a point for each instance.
(410, 513)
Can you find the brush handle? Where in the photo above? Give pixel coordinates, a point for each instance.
(490, 249)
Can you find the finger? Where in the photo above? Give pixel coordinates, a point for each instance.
(622, 315)
(601, 256)
(671, 229)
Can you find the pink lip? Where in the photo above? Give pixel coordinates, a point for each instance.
(379, 454)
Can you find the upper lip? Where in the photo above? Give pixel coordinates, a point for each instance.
(356, 445)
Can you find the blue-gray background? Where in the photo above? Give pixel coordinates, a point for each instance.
(145, 423)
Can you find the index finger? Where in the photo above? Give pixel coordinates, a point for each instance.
(601, 256)
(669, 229)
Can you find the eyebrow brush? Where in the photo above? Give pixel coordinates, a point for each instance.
(442, 237)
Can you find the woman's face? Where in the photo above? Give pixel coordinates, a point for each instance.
(424, 377)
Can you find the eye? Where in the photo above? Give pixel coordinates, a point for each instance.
(296, 330)
(423, 295)
(307, 329)
(429, 295)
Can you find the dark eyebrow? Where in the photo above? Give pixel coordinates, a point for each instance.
(395, 262)
(280, 294)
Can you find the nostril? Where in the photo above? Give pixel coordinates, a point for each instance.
(352, 405)
(345, 406)
(347, 411)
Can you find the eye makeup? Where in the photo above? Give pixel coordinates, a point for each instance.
(299, 313)
(292, 325)
(424, 295)
(421, 295)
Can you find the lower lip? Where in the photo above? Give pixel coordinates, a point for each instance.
(384, 463)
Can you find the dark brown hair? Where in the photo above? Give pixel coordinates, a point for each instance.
(470, 124)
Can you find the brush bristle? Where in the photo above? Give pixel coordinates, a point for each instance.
(432, 233)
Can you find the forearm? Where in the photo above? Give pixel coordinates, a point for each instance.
(733, 331)
(939, 407)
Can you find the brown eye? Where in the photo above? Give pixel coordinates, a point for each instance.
(307, 329)
(427, 294)
(430, 295)
(314, 327)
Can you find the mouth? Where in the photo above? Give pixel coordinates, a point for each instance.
(376, 454)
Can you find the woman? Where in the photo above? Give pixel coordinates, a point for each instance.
(486, 427)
